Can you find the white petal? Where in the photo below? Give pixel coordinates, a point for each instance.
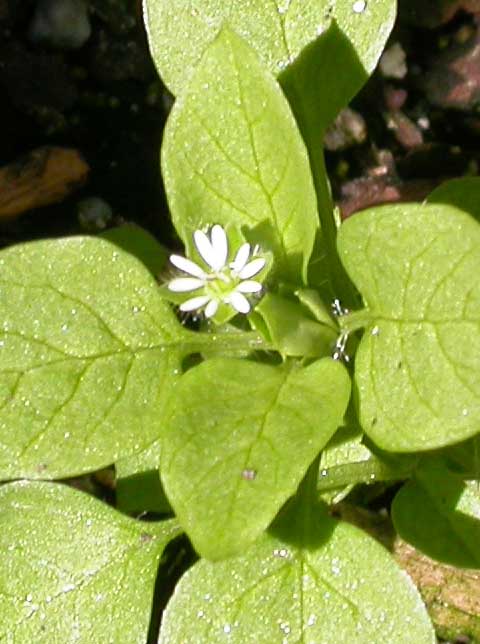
(241, 258)
(184, 284)
(195, 303)
(211, 308)
(239, 302)
(213, 252)
(249, 286)
(204, 246)
(187, 266)
(252, 268)
(220, 246)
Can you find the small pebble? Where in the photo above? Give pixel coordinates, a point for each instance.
(94, 214)
(61, 24)
(393, 62)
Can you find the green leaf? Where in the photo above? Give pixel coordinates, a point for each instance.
(291, 329)
(331, 70)
(239, 439)
(340, 460)
(73, 569)
(439, 514)
(417, 365)
(179, 31)
(464, 458)
(139, 243)
(311, 299)
(138, 486)
(88, 354)
(346, 462)
(323, 79)
(334, 584)
(232, 154)
(463, 193)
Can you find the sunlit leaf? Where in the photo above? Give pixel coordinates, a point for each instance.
(417, 365)
(179, 31)
(463, 193)
(311, 581)
(73, 569)
(232, 154)
(88, 352)
(239, 439)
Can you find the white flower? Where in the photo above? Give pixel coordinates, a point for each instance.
(220, 281)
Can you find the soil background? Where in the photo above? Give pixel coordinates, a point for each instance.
(78, 74)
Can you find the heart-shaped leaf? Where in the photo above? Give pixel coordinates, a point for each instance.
(335, 583)
(88, 351)
(439, 514)
(179, 31)
(417, 366)
(239, 439)
(232, 154)
(73, 569)
(463, 193)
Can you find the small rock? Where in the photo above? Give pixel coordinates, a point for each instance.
(407, 133)
(453, 80)
(347, 130)
(395, 97)
(61, 24)
(393, 62)
(384, 164)
(366, 192)
(94, 214)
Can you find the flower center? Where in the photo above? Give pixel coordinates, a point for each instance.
(220, 284)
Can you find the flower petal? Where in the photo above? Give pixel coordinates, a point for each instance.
(241, 258)
(204, 247)
(184, 284)
(238, 301)
(213, 251)
(249, 286)
(195, 303)
(187, 266)
(220, 246)
(252, 268)
(211, 308)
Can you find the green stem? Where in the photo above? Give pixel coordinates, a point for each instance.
(339, 279)
(340, 283)
(307, 499)
(196, 342)
(369, 471)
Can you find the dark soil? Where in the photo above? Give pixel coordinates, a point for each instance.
(413, 125)
(104, 99)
